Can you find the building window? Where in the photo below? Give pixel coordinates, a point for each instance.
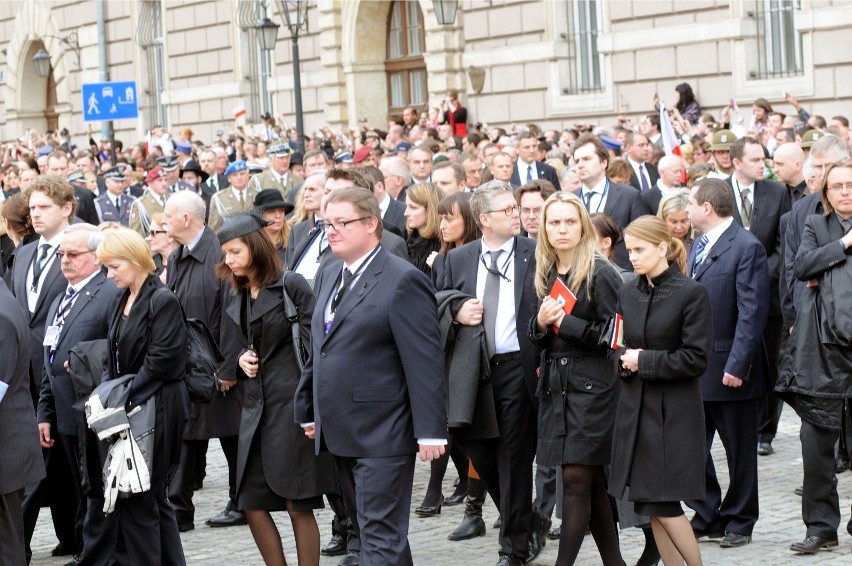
(779, 46)
(583, 68)
(404, 65)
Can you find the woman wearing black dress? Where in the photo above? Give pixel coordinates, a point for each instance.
(659, 447)
(578, 388)
(148, 338)
(276, 466)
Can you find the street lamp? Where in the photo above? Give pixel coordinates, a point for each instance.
(445, 11)
(296, 15)
(41, 59)
(267, 31)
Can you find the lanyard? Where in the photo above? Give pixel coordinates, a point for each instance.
(341, 292)
(501, 273)
(601, 200)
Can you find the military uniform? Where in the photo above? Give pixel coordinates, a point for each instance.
(108, 212)
(225, 203)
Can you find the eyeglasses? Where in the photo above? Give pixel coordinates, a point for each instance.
(837, 187)
(155, 232)
(72, 255)
(508, 211)
(530, 211)
(338, 226)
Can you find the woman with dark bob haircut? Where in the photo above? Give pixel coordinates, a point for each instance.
(276, 466)
(457, 228)
(686, 103)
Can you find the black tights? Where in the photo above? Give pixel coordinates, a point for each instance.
(585, 504)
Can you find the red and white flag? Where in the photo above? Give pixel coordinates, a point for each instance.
(670, 141)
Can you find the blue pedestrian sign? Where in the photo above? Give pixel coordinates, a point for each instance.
(109, 101)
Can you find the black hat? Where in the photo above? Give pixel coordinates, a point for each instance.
(296, 159)
(192, 165)
(240, 225)
(267, 199)
(168, 162)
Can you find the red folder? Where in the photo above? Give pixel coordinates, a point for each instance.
(616, 341)
(562, 295)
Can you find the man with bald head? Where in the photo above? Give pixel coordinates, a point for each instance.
(670, 168)
(192, 276)
(789, 160)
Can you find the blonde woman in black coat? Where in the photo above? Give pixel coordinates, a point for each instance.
(578, 388)
(659, 447)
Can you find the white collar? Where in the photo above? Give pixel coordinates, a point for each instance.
(353, 267)
(714, 234)
(599, 188)
(53, 242)
(79, 286)
(505, 246)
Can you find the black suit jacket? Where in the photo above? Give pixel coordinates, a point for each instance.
(460, 272)
(299, 232)
(624, 204)
(86, 210)
(87, 320)
(394, 216)
(736, 276)
(543, 170)
(811, 204)
(53, 284)
(771, 200)
(653, 173)
(372, 386)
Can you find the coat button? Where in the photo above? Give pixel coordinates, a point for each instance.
(548, 360)
(547, 392)
(588, 386)
(322, 355)
(563, 361)
(563, 392)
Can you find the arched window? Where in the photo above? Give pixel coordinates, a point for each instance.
(404, 65)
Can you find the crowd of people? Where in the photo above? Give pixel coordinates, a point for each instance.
(604, 309)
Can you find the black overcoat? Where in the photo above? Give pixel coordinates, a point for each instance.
(659, 447)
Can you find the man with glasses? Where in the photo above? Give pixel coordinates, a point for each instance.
(77, 315)
(499, 270)
(531, 197)
(377, 313)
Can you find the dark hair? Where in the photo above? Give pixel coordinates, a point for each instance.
(687, 97)
(738, 147)
(265, 264)
(718, 193)
(595, 141)
(459, 202)
(819, 120)
(542, 186)
(842, 119)
(789, 133)
(17, 213)
(630, 138)
(357, 176)
(458, 170)
(527, 135)
(763, 103)
(475, 138)
(374, 173)
(619, 170)
(606, 227)
(56, 188)
(654, 120)
(363, 200)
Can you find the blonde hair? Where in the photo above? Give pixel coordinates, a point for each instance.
(429, 196)
(655, 231)
(675, 201)
(128, 245)
(583, 268)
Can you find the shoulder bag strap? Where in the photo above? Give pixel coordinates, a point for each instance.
(292, 314)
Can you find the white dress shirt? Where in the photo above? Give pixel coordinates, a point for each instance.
(506, 331)
(598, 200)
(643, 172)
(524, 170)
(33, 293)
(738, 194)
(714, 234)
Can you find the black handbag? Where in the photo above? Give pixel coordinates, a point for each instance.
(292, 314)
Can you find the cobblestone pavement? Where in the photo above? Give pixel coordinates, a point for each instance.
(779, 525)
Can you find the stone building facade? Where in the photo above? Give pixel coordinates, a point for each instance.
(553, 62)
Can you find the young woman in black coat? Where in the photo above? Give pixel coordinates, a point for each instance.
(659, 447)
(277, 469)
(578, 388)
(423, 223)
(147, 338)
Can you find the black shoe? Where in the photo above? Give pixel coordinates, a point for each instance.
(764, 448)
(813, 544)
(227, 518)
(647, 561)
(352, 558)
(498, 523)
(455, 499)
(198, 485)
(507, 560)
(733, 540)
(335, 547)
(538, 536)
(553, 534)
(63, 549)
(799, 491)
(471, 527)
(430, 511)
(841, 465)
(184, 527)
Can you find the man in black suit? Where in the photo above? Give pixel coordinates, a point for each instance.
(21, 464)
(191, 275)
(731, 263)
(499, 270)
(57, 164)
(789, 161)
(393, 211)
(377, 314)
(214, 182)
(77, 315)
(671, 170)
(759, 205)
(599, 194)
(527, 167)
(36, 281)
(638, 150)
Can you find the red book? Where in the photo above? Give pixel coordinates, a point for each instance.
(616, 341)
(562, 295)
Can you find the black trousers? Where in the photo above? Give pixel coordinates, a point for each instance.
(774, 337)
(505, 463)
(820, 503)
(100, 533)
(379, 492)
(181, 486)
(12, 552)
(736, 423)
(545, 489)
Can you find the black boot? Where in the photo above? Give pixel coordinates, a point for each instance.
(472, 524)
(538, 535)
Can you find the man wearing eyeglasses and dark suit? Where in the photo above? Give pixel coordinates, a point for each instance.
(499, 270)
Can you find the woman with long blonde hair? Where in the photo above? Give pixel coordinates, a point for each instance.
(577, 390)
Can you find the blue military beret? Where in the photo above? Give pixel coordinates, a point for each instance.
(183, 146)
(236, 167)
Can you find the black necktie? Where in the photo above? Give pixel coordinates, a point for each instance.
(529, 173)
(588, 200)
(38, 265)
(490, 300)
(341, 293)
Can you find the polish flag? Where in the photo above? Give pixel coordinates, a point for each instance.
(670, 141)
